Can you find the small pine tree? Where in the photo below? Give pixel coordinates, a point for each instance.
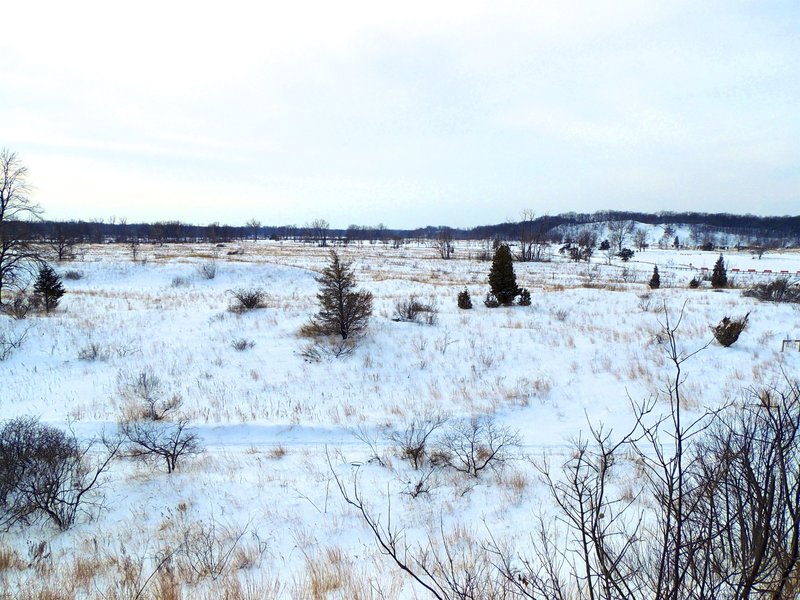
(343, 310)
(502, 281)
(48, 288)
(464, 299)
(655, 280)
(719, 277)
(524, 297)
(625, 254)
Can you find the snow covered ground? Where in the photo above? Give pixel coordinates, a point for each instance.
(277, 426)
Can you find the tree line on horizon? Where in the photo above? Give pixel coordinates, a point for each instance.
(772, 231)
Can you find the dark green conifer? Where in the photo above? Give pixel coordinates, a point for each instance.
(719, 277)
(464, 299)
(655, 280)
(48, 288)
(502, 281)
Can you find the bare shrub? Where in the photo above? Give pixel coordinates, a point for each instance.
(728, 330)
(778, 290)
(208, 547)
(92, 351)
(448, 568)
(207, 270)
(277, 452)
(629, 275)
(20, 305)
(473, 445)
(421, 484)
(242, 344)
(645, 302)
(413, 310)
(412, 439)
(150, 440)
(180, 281)
(369, 437)
(73, 275)
(11, 341)
(328, 347)
(247, 299)
(146, 396)
(46, 474)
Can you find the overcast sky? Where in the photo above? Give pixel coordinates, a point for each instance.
(407, 113)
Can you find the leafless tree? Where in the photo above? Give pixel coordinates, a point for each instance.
(412, 439)
(18, 255)
(318, 230)
(605, 532)
(640, 238)
(160, 440)
(619, 232)
(476, 444)
(62, 243)
(533, 242)
(255, 226)
(751, 504)
(444, 243)
(133, 247)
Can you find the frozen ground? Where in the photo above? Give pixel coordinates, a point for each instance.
(272, 422)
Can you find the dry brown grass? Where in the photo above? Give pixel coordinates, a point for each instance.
(326, 573)
(85, 568)
(277, 452)
(10, 559)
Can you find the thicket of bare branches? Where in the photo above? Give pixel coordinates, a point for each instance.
(47, 474)
(414, 310)
(778, 290)
(679, 507)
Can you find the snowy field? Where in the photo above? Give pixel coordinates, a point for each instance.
(276, 426)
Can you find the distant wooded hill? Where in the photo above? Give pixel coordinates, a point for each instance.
(783, 231)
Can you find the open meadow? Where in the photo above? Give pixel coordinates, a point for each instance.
(282, 423)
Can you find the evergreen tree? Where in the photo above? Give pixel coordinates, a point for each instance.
(524, 297)
(625, 254)
(464, 299)
(48, 288)
(655, 280)
(719, 277)
(502, 280)
(344, 310)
